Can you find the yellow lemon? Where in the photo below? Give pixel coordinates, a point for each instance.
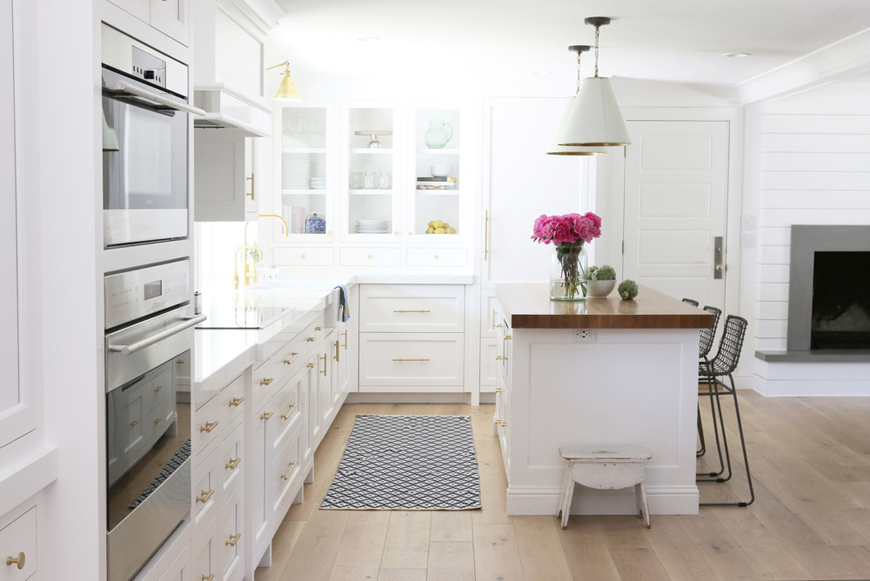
(437, 224)
(451, 230)
(432, 224)
(430, 230)
(439, 230)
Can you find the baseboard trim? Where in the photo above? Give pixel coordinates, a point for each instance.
(524, 501)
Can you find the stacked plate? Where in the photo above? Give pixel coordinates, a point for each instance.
(295, 168)
(317, 183)
(372, 226)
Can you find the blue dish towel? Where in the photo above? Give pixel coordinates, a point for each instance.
(343, 304)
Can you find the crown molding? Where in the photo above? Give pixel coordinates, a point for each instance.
(845, 57)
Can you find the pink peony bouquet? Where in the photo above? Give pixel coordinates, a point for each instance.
(570, 228)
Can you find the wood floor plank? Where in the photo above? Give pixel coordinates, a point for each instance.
(450, 561)
(496, 554)
(362, 546)
(407, 543)
(315, 551)
(638, 564)
(451, 525)
(493, 484)
(727, 559)
(586, 551)
(676, 550)
(540, 552)
(858, 557)
(402, 574)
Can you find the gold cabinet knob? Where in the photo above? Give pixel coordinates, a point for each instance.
(157, 421)
(396, 232)
(436, 257)
(267, 415)
(267, 380)
(158, 388)
(233, 540)
(236, 402)
(18, 561)
(204, 496)
(411, 233)
(208, 427)
(370, 256)
(302, 257)
(232, 464)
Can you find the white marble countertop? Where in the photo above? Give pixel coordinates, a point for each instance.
(242, 321)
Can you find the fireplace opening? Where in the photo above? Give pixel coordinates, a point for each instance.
(841, 301)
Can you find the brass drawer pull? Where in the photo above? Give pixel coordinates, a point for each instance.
(267, 415)
(208, 577)
(208, 427)
(498, 357)
(508, 337)
(324, 365)
(502, 423)
(310, 339)
(345, 339)
(293, 355)
(205, 496)
(494, 314)
(420, 359)
(233, 540)
(19, 561)
(231, 465)
(310, 365)
(158, 388)
(499, 326)
(134, 423)
(499, 390)
(180, 362)
(412, 311)
(292, 468)
(236, 402)
(157, 421)
(267, 380)
(337, 350)
(318, 328)
(286, 416)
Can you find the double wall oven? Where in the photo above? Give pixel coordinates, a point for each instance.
(149, 318)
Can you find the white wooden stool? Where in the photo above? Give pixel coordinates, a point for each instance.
(604, 469)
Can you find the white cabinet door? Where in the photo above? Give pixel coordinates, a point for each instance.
(221, 188)
(404, 361)
(676, 188)
(170, 17)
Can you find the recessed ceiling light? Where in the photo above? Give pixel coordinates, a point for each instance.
(736, 54)
(368, 39)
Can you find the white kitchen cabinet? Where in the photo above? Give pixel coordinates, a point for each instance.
(168, 16)
(230, 538)
(180, 568)
(429, 308)
(205, 556)
(18, 541)
(225, 182)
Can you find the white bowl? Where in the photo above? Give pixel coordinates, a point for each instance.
(599, 289)
(440, 170)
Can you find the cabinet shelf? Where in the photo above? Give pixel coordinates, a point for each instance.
(303, 149)
(305, 192)
(438, 192)
(445, 151)
(374, 192)
(367, 151)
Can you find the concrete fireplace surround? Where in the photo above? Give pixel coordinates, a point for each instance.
(800, 371)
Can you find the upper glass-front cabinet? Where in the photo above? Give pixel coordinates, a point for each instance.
(435, 210)
(371, 172)
(304, 170)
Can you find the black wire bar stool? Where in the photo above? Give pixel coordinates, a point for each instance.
(711, 374)
(705, 343)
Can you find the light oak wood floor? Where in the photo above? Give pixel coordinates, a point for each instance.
(810, 459)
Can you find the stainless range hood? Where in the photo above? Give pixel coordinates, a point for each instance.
(232, 110)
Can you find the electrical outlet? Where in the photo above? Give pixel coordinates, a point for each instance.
(584, 336)
(748, 222)
(747, 240)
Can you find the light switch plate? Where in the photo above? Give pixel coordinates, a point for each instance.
(747, 240)
(748, 222)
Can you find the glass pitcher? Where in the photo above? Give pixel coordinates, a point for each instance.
(438, 134)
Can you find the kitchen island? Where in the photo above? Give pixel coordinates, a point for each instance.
(603, 372)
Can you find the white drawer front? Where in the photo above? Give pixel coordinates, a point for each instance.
(436, 257)
(18, 541)
(489, 316)
(370, 257)
(412, 308)
(488, 364)
(205, 555)
(231, 540)
(285, 471)
(205, 487)
(230, 463)
(411, 359)
(304, 256)
(217, 414)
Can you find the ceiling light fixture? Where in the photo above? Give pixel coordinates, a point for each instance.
(595, 119)
(555, 148)
(737, 54)
(287, 88)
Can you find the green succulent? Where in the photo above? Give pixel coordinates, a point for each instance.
(627, 289)
(605, 272)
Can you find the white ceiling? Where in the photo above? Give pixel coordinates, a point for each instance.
(666, 40)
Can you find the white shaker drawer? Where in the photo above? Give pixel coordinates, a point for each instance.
(370, 257)
(412, 308)
(411, 359)
(18, 542)
(304, 256)
(229, 462)
(218, 413)
(436, 257)
(205, 488)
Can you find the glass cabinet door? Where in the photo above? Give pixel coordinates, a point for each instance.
(435, 213)
(370, 173)
(304, 171)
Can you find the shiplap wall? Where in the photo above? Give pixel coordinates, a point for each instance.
(815, 169)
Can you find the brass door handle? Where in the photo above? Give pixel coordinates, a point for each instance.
(267, 415)
(208, 427)
(417, 311)
(267, 380)
(19, 561)
(231, 465)
(236, 402)
(233, 540)
(345, 339)
(134, 423)
(324, 365)
(292, 468)
(205, 496)
(337, 350)
(286, 416)
(420, 359)
(251, 193)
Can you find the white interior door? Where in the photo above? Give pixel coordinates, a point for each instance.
(676, 186)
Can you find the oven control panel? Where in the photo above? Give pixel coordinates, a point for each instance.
(138, 293)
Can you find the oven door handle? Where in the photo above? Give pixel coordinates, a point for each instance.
(139, 345)
(173, 103)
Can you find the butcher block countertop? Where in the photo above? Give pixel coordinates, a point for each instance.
(528, 306)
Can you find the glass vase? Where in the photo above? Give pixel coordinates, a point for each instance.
(568, 272)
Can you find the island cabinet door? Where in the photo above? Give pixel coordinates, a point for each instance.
(404, 361)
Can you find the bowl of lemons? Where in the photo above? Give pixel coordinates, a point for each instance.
(439, 227)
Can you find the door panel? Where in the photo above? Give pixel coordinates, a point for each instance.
(676, 185)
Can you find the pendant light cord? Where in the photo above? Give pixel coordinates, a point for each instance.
(597, 28)
(579, 78)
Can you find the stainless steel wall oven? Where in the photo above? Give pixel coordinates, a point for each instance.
(145, 142)
(149, 331)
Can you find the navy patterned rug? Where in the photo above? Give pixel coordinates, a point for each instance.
(407, 463)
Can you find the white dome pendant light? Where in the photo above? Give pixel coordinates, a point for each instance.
(595, 119)
(555, 148)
